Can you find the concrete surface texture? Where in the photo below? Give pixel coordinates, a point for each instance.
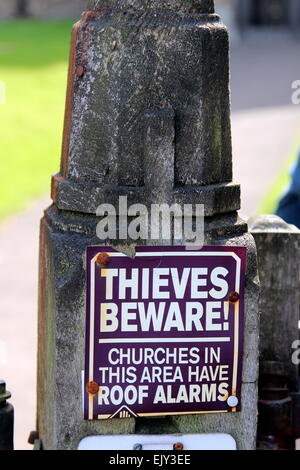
(264, 125)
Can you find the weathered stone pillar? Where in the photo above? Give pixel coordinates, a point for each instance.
(278, 247)
(278, 250)
(147, 117)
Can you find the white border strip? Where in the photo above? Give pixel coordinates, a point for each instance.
(92, 332)
(166, 340)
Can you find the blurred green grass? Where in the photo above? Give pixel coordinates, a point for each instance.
(33, 66)
(269, 203)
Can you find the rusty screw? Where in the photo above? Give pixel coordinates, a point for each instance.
(102, 259)
(178, 446)
(80, 71)
(92, 388)
(33, 436)
(233, 297)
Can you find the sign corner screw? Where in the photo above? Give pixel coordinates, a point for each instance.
(102, 259)
(92, 388)
(232, 401)
(233, 297)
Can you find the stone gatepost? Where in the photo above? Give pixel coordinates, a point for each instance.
(147, 117)
(278, 250)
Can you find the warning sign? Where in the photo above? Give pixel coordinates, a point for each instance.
(164, 331)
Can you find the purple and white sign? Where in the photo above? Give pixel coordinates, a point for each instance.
(164, 331)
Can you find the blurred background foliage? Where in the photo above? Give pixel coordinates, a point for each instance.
(33, 66)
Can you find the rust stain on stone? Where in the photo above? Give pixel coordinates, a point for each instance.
(54, 184)
(95, 14)
(80, 71)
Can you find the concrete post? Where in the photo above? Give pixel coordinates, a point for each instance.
(278, 249)
(148, 79)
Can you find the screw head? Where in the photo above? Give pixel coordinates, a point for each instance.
(92, 388)
(232, 401)
(80, 71)
(178, 446)
(137, 447)
(102, 259)
(233, 297)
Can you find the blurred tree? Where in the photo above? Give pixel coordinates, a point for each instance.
(22, 8)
